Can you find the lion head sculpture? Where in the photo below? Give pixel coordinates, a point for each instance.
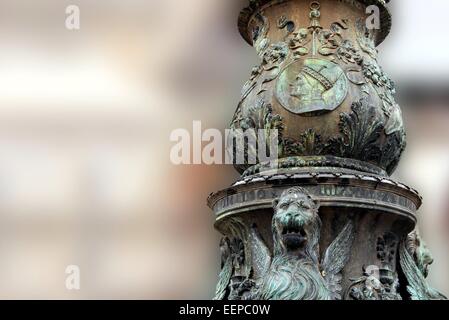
(294, 273)
(296, 225)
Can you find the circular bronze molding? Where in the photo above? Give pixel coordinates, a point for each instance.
(315, 162)
(255, 5)
(331, 189)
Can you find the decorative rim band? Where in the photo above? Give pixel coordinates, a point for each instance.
(313, 162)
(248, 13)
(330, 189)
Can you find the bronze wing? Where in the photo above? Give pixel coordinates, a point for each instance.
(335, 259)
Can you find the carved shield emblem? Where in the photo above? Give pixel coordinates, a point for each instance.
(311, 86)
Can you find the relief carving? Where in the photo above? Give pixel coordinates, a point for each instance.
(311, 85)
(294, 271)
(415, 260)
(384, 86)
(360, 131)
(260, 33)
(309, 144)
(257, 117)
(299, 42)
(235, 261)
(373, 287)
(288, 25)
(309, 69)
(311, 72)
(381, 283)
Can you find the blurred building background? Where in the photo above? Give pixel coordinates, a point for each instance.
(85, 119)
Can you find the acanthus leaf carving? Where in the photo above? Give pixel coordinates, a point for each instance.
(309, 144)
(248, 125)
(360, 131)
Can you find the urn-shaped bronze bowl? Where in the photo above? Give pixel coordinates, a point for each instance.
(319, 86)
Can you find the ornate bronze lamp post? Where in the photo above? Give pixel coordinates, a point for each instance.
(323, 221)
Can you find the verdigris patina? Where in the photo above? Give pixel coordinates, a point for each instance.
(318, 59)
(323, 220)
(415, 260)
(296, 271)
